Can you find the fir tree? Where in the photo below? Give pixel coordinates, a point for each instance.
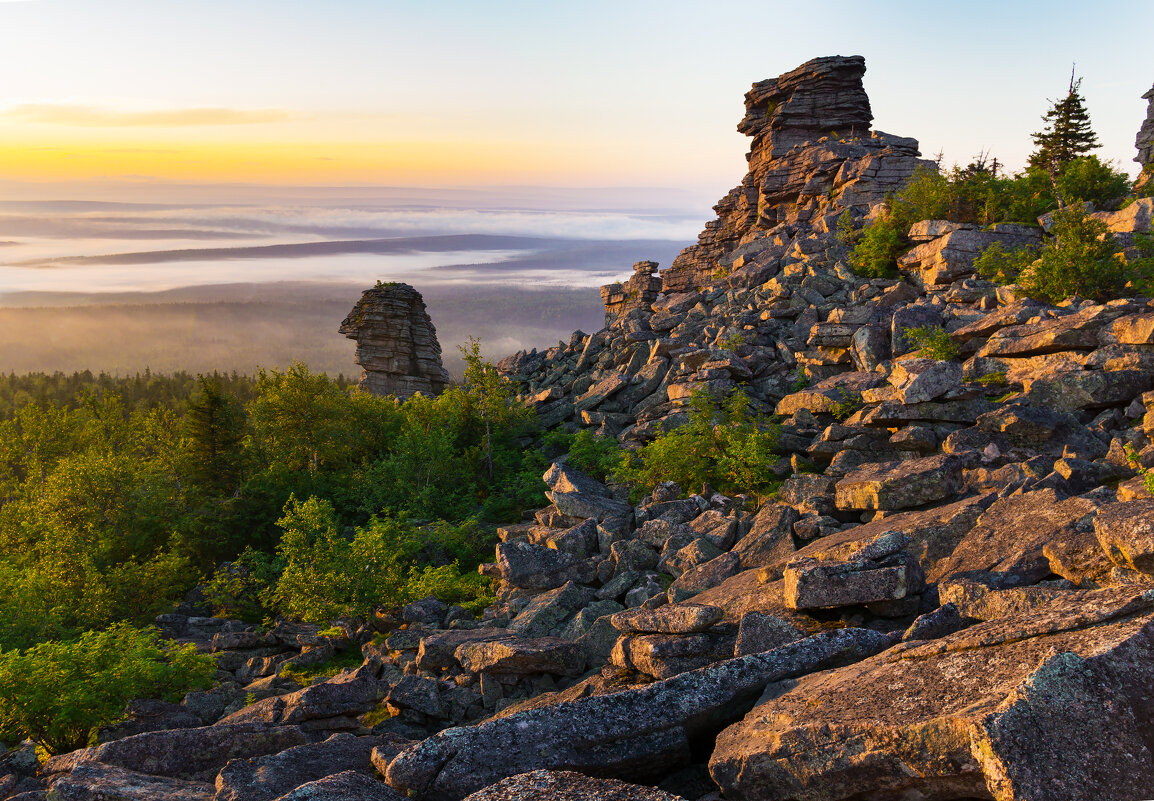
(1067, 134)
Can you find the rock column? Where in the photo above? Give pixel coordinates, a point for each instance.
(396, 342)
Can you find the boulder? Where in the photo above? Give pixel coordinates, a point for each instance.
(1126, 533)
(585, 505)
(418, 693)
(921, 380)
(667, 655)
(901, 485)
(350, 693)
(669, 619)
(770, 539)
(348, 785)
(97, 782)
(1051, 705)
(566, 785)
(630, 735)
(704, 577)
(438, 651)
(535, 567)
(813, 584)
(522, 657)
(1009, 537)
(268, 777)
(183, 753)
(548, 612)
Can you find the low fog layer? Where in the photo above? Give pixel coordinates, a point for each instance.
(187, 282)
(245, 327)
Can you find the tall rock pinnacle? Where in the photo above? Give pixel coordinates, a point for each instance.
(396, 342)
(813, 156)
(1145, 141)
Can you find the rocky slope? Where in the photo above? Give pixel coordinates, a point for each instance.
(955, 602)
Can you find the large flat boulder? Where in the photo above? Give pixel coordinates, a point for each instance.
(1010, 536)
(183, 753)
(348, 694)
(683, 618)
(1052, 705)
(1078, 331)
(267, 777)
(97, 782)
(631, 735)
(523, 656)
(901, 485)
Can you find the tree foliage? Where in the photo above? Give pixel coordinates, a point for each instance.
(1067, 134)
(723, 444)
(60, 693)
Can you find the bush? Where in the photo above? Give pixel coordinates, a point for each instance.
(1082, 259)
(932, 342)
(600, 457)
(878, 247)
(60, 693)
(1003, 265)
(387, 562)
(724, 445)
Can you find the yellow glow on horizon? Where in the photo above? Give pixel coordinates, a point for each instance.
(276, 163)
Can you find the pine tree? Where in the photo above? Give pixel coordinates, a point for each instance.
(1067, 134)
(215, 426)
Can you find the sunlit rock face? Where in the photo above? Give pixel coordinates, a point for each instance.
(813, 156)
(1145, 140)
(396, 342)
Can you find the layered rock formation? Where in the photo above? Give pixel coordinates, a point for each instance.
(1145, 142)
(813, 157)
(1145, 139)
(396, 342)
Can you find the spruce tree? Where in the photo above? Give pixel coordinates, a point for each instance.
(1067, 134)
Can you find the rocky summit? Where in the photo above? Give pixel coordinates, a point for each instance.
(396, 342)
(950, 596)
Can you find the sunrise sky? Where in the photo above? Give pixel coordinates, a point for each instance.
(581, 93)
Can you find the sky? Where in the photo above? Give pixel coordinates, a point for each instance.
(441, 93)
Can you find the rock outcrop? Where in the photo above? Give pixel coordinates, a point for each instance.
(1145, 139)
(396, 342)
(813, 157)
(1145, 144)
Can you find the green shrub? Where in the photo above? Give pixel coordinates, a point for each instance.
(878, 247)
(388, 562)
(1003, 265)
(1082, 259)
(1090, 179)
(732, 341)
(1147, 475)
(992, 379)
(724, 445)
(927, 196)
(599, 457)
(846, 404)
(304, 676)
(236, 588)
(60, 693)
(932, 342)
